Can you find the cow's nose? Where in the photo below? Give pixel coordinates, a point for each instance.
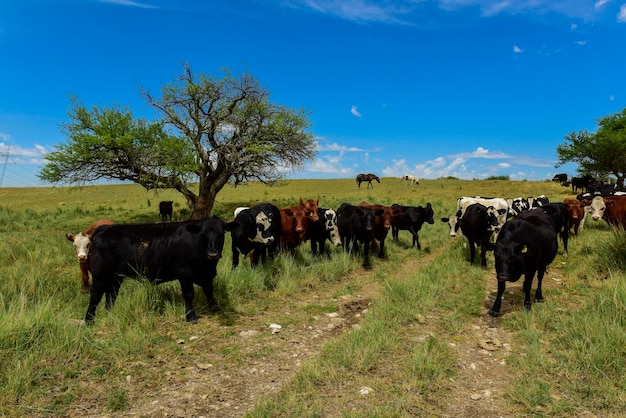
(82, 258)
(214, 255)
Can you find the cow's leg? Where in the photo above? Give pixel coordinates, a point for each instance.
(84, 271)
(495, 309)
(98, 288)
(112, 291)
(538, 293)
(186, 287)
(381, 250)
(256, 255)
(472, 251)
(565, 238)
(416, 240)
(483, 255)
(528, 281)
(366, 257)
(235, 256)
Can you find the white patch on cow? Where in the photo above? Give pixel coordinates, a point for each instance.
(595, 208)
(453, 220)
(239, 209)
(262, 224)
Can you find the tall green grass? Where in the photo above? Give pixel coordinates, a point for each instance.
(568, 357)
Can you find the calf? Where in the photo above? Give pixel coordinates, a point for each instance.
(559, 215)
(382, 225)
(187, 251)
(322, 230)
(356, 224)
(575, 211)
(82, 244)
(526, 245)
(411, 218)
(478, 225)
(253, 233)
(166, 209)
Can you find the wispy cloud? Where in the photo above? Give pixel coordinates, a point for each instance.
(355, 111)
(621, 16)
(129, 3)
(323, 145)
(517, 49)
(407, 11)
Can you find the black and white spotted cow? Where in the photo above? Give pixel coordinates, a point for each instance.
(500, 205)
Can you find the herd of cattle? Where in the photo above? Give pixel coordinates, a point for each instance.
(522, 233)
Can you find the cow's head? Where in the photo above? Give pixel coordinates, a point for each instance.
(81, 244)
(263, 234)
(429, 214)
(453, 223)
(509, 260)
(213, 230)
(310, 207)
(596, 207)
(492, 215)
(330, 220)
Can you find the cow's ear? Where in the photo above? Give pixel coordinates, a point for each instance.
(288, 212)
(230, 226)
(69, 237)
(446, 220)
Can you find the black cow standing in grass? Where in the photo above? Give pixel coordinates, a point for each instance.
(166, 209)
(478, 225)
(525, 245)
(410, 218)
(185, 251)
(356, 224)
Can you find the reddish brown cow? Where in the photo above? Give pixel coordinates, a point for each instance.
(295, 221)
(576, 211)
(310, 206)
(382, 225)
(82, 242)
(615, 213)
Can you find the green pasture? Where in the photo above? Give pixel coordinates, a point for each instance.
(569, 353)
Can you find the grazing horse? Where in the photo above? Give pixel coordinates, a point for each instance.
(368, 178)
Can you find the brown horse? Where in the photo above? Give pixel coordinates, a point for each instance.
(368, 178)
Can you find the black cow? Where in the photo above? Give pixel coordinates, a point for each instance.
(276, 230)
(478, 225)
(559, 215)
(161, 252)
(411, 218)
(323, 229)
(253, 233)
(356, 224)
(582, 183)
(560, 178)
(525, 245)
(166, 209)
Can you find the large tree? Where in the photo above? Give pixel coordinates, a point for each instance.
(213, 130)
(602, 152)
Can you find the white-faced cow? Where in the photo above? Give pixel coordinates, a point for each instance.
(411, 218)
(186, 251)
(526, 245)
(595, 208)
(254, 232)
(356, 225)
(324, 229)
(82, 244)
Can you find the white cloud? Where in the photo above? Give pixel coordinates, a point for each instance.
(504, 165)
(355, 112)
(598, 5)
(325, 146)
(517, 49)
(621, 16)
(581, 43)
(612, 98)
(129, 3)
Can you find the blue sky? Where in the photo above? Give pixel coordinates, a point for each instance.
(434, 88)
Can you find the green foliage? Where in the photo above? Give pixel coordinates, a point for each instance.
(599, 153)
(498, 178)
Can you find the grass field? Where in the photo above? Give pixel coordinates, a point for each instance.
(568, 355)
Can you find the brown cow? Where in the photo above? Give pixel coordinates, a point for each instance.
(82, 242)
(295, 221)
(382, 225)
(615, 213)
(576, 211)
